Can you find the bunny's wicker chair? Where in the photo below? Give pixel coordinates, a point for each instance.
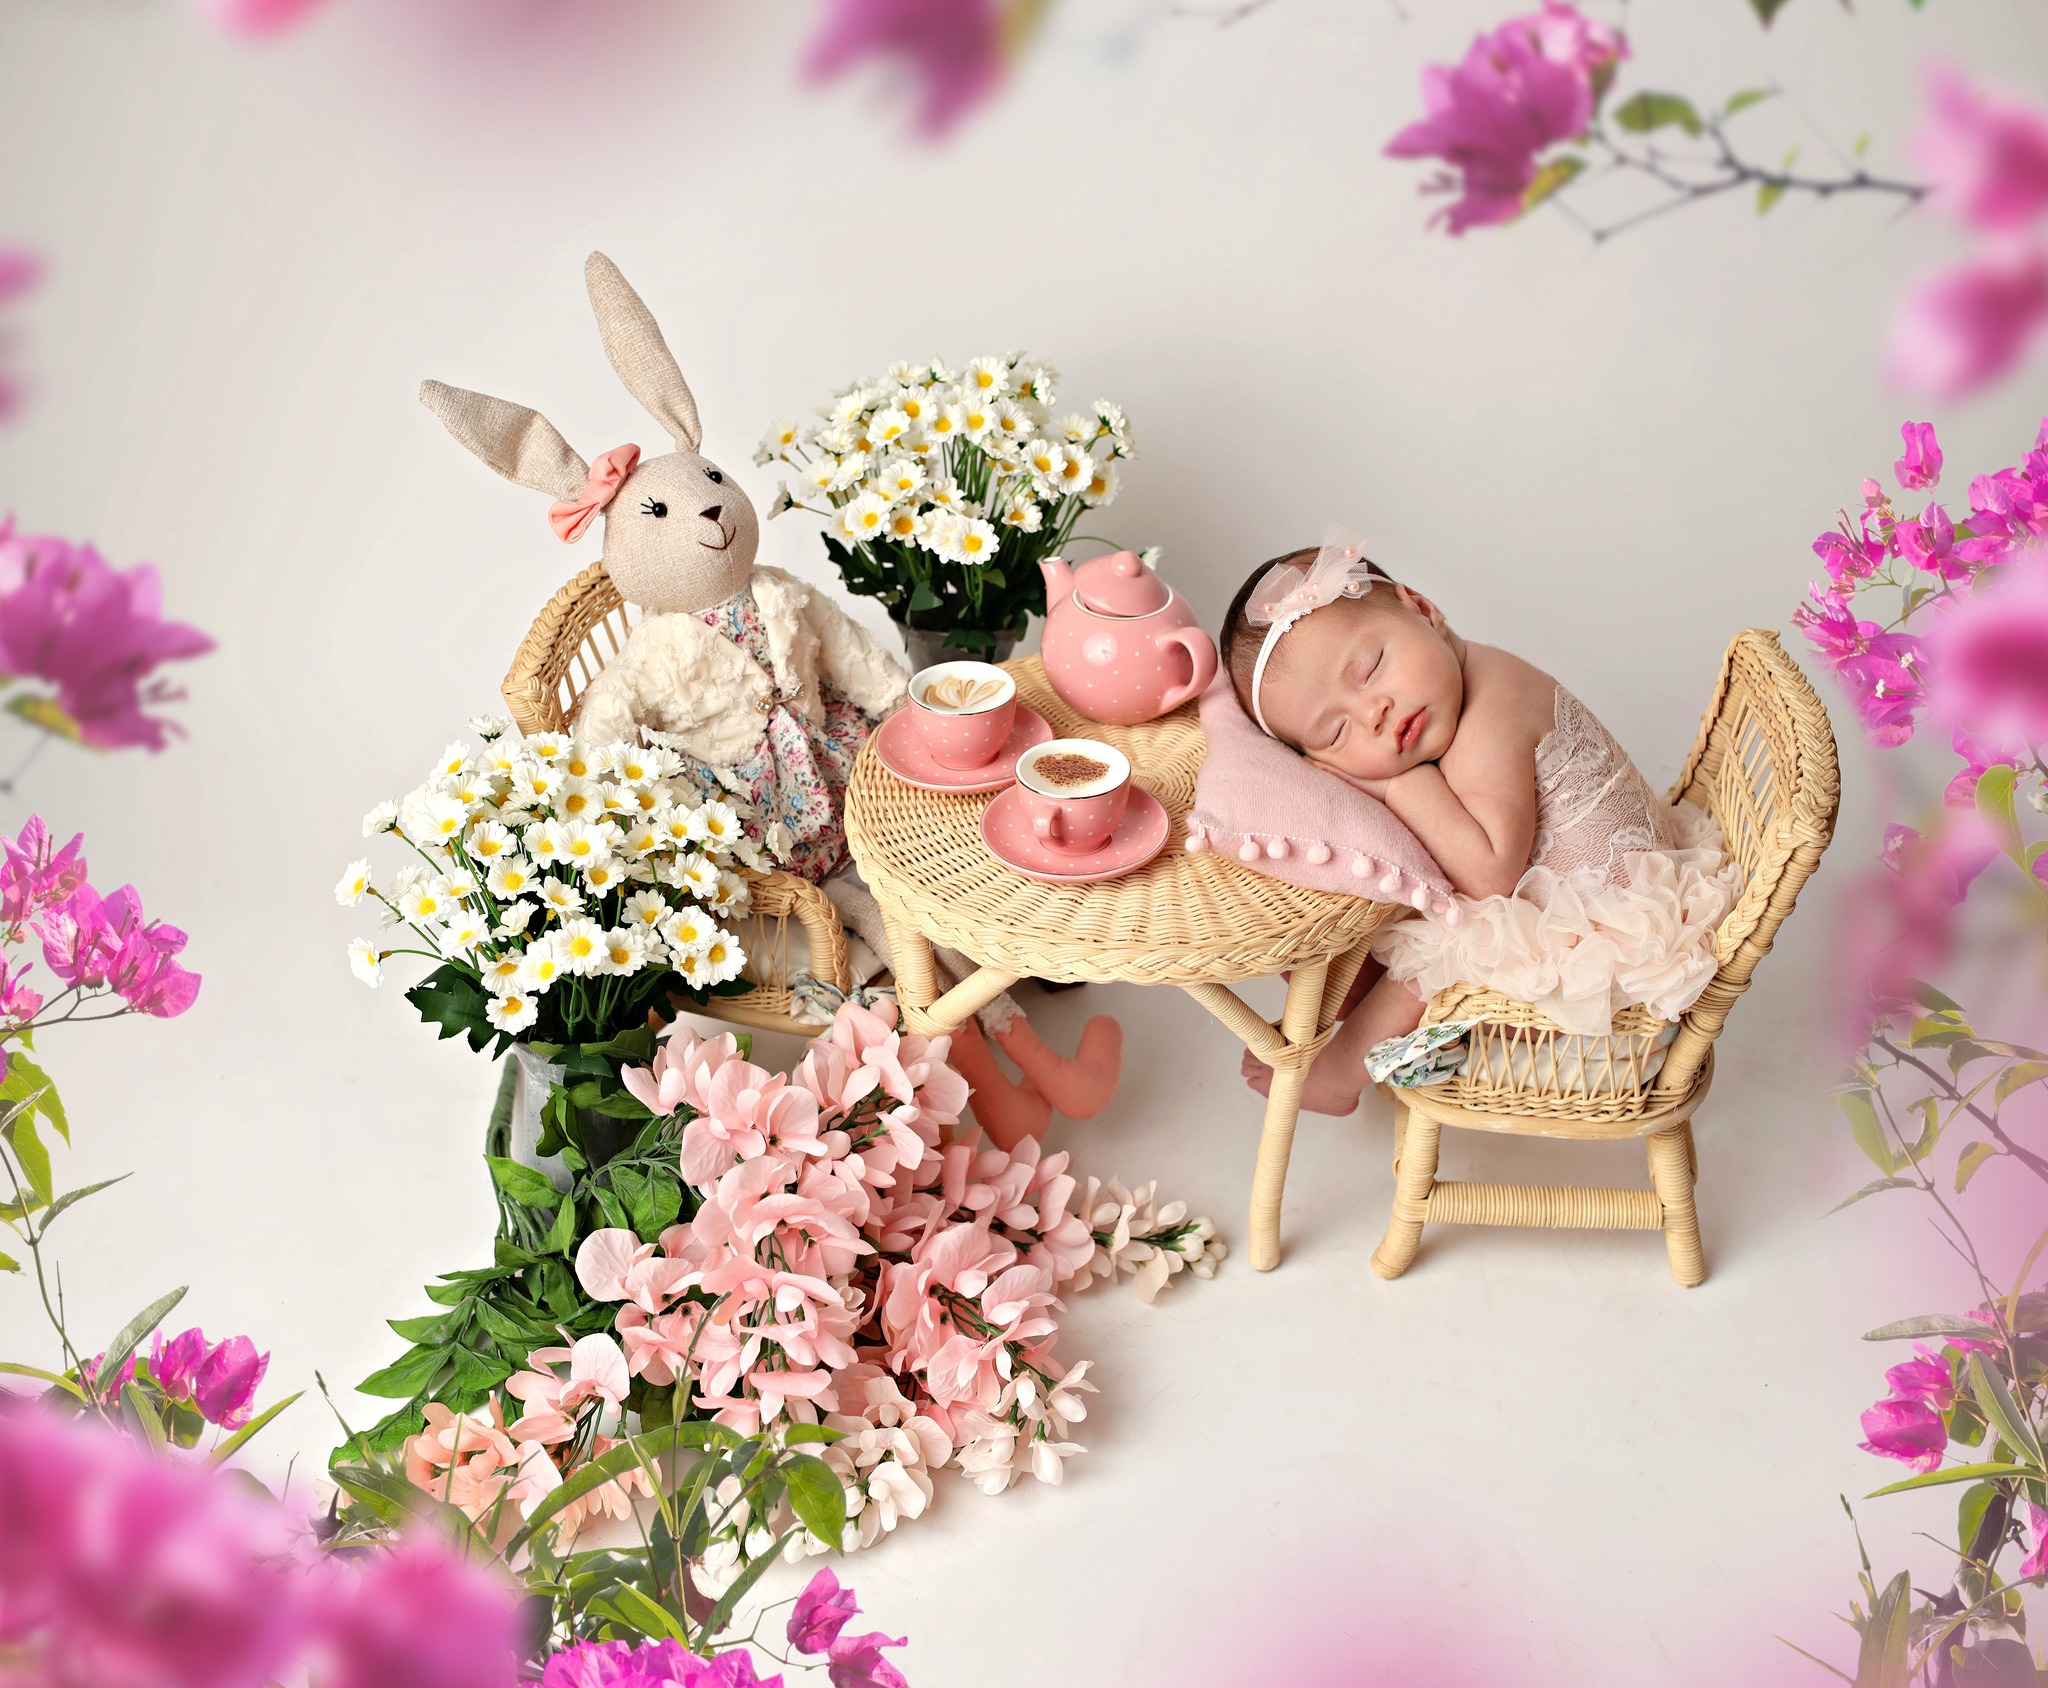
(1764, 767)
(795, 927)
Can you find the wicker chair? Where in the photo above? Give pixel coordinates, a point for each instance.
(581, 629)
(1764, 768)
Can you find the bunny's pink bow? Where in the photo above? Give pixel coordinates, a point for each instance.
(1285, 594)
(608, 471)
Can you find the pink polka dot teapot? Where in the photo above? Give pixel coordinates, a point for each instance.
(1121, 645)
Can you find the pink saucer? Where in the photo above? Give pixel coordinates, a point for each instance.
(1139, 836)
(897, 744)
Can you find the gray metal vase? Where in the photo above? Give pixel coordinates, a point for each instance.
(924, 649)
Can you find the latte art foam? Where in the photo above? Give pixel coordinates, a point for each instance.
(962, 692)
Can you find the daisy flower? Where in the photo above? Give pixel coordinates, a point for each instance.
(851, 405)
(987, 377)
(867, 517)
(731, 895)
(852, 467)
(587, 761)
(906, 526)
(719, 961)
(947, 422)
(896, 478)
(488, 841)
(429, 900)
(546, 842)
(603, 878)
(977, 541)
(541, 966)
(913, 403)
(354, 884)
(945, 493)
(888, 426)
(625, 950)
(513, 1011)
(977, 417)
(383, 818)
(941, 535)
(510, 876)
(515, 918)
(1038, 378)
(1111, 417)
(432, 817)
(534, 783)
(820, 473)
(454, 760)
(643, 839)
(1077, 429)
(642, 800)
(718, 824)
(548, 747)
(782, 502)
(1023, 514)
(786, 436)
(1076, 473)
(646, 909)
(1102, 485)
(698, 875)
(580, 799)
(365, 962)
(502, 975)
(633, 767)
(561, 899)
(689, 932)
(463, 931)
(621, 800)
(1044, 460)
(584, 844)
(580, 943)
(489, 727)
(1013, 421)
(474, 790)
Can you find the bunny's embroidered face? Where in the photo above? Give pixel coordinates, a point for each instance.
(680, 534)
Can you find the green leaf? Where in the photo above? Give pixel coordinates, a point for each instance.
(1928, 997)
(14, 1369)
(27, 1082)
(522, 1183)
(1930, 1127)
(1641, 113)
(1971, 1513)
(1869, 1134)
(1554, 174)
(9, 1264)
(924, 598)
(1871, 1189)
(2018, 1077)
(28, 1148)
(396, 1500)
(71, 1196)
(1767, 195)
(562, 1234)
(45, 713)
(404, 1377)
(817, 1496)
(1995, 803)
(1952, 1474)
(146, 1420)
(1747, 98)
(1766, 9)
(1972, 1157)
(453, 1000)
(1886, 1655)
(131, 1334)
(241, 1437)
(426, 1328)
(1932, 1324)
(632, 1607)
(720, 1615)
(2001, 1412)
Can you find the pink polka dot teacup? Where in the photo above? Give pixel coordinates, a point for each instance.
(1075, 791)
(963, 711)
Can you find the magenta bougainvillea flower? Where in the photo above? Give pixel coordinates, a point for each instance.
(1519, 89)
(94, 943)
(36, 874)
(1988, 657)
(1925, 1378)
(1906, 1429)
(2036, 1562)
(1920, 468)
(93, 631)
(1984, 154)
(221, 1381)
(419, 1616)
(821, 1612)
(256, 17)
(1963, 327)
(652, 1664)
(955, 48)
(19, 271)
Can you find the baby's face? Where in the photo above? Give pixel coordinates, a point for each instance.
(1368, 687)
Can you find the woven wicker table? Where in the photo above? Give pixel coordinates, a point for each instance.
(1201, 922)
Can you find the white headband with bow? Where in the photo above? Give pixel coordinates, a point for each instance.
(1286, 593)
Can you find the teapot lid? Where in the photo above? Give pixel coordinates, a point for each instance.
(1120, 584)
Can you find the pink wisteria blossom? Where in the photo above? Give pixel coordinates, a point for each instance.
(954, 48)
(95, 633)
(1527, 85)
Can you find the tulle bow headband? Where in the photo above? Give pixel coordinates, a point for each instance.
(608, 471)
(1286, 593)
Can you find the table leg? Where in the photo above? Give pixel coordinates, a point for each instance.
(910, 959)
(1299, 1024)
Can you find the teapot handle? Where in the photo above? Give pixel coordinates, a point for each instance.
(1201, 654)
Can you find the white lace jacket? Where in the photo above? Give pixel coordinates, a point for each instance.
(679, 676)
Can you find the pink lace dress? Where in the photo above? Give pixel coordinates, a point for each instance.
(1618, 905)
(795, 776)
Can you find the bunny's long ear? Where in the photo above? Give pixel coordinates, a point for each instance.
(521, 444)
(632, 340)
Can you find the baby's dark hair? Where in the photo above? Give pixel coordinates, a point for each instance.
(1240, 640)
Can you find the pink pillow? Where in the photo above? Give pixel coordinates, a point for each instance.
(1280, 814)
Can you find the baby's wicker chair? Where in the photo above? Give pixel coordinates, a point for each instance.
(1764, 768)
(581, 629)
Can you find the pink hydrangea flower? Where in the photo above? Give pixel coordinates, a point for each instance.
(95, 632)
(1907, 1430)
(953, 47)
(1965, 326)
(1523, 87)
(1984, 154)
(1920, 467)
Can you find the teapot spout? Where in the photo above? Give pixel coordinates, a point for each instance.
(1059, 579)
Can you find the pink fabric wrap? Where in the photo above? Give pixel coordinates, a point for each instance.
(1281, 815)
(608, 472)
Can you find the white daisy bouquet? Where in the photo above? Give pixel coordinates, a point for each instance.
(562, 889)
(942, 491)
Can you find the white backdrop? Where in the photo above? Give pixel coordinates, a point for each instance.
(1533, 1457)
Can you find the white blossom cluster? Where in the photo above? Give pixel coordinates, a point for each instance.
(949, 461)
(1134, 1234)
(545, 862)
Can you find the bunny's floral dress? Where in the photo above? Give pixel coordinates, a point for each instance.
(795, 776)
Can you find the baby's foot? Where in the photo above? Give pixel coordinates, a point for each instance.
(1335, 1081)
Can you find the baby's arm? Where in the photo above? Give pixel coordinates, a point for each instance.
(1475, 812)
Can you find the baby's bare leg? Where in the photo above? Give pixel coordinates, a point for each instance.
(1337, 1077)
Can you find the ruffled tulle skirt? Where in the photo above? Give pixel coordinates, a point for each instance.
(1576, 945)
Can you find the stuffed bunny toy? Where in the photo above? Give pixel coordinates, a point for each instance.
(747, 670)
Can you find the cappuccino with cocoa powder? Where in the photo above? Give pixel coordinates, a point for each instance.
(1073, 768)
(1070, 769)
